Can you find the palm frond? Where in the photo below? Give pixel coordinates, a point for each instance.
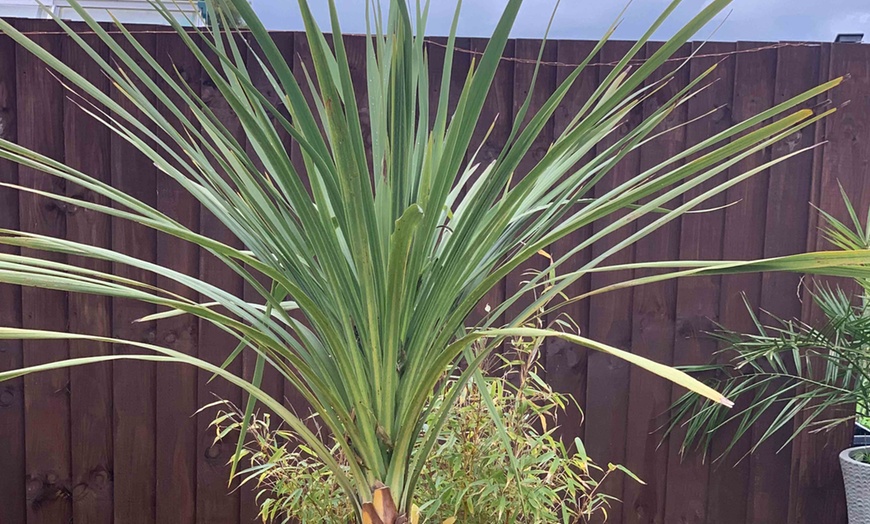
(811, 378)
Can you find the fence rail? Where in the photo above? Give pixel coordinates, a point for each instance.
(118, 443)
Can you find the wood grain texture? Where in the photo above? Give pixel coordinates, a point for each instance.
(744, 237)
(786, 228)
(844, 161)
(437, 52)
(497, 112)
(273, 382)
(176, 384)
(697, 303)
(134, 382)
(86, 148)
(537, 91)
(46, 395)
(653, 314)
(567, 363)
(610, 318)
(302, 62)
(12, 437)
(216, 502)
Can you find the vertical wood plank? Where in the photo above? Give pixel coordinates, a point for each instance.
(757, 91)
(653, 310)
(697, 305)
(567, 363)
(273, 382)
(786, 224)
(134, 382)
(437, 51)
(215, 502)
(86, 146)
(803, 477)
(789, 186)
(744, 239)
(355, 47)
(817, 489)
(302, 62)
(610, 317)
(497, 112)
(176, 384)
(46, 395)
(527, 51)
(12, 451)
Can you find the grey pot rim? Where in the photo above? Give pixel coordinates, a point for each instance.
(846, 456)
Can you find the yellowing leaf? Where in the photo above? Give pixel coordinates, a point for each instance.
(451, 520)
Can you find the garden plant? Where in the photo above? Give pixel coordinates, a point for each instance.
(807, 376)
(467, 478)
(368, 261)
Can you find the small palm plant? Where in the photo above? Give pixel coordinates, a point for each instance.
(368, 261)
(807, 377)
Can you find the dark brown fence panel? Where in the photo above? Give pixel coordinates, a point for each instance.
(214, 505)
(497, 113)
(176, 384)
(118, 443)
(610, 320)
(697, 302)
(753, 91)
(46, 396)
(272, 382)
(86, 148)
(134, 382)
(744, 234)
(653, 310)
(11, 393)
(567, 363)
(846, 162)
(300, 62)
(786, 229)
(532, 89)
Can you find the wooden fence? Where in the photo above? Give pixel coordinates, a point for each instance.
(118, 443)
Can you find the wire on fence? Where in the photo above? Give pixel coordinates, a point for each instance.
(531, 61)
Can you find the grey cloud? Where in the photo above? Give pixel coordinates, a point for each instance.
(814, 20)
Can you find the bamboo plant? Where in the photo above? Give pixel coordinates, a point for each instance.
(373, 258)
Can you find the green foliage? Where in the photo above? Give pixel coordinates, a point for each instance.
(861, 456)
(468, 474)
(292, 483)
(813, 378)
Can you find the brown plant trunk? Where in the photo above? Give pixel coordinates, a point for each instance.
(382, 509)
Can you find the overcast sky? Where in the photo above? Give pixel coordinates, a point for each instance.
(768, 20)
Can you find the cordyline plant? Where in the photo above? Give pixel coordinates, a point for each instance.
(372, 265)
